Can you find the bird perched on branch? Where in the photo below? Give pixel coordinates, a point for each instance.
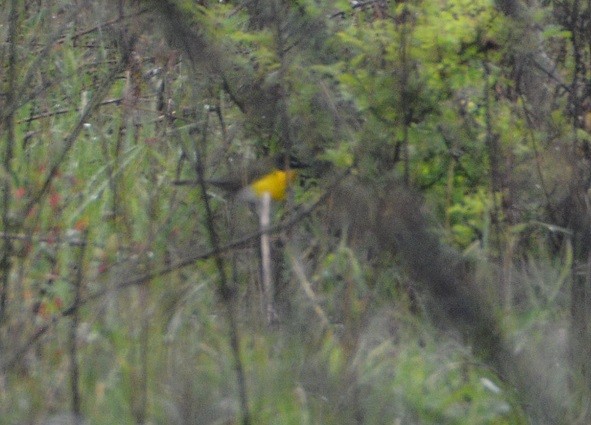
(272, 175)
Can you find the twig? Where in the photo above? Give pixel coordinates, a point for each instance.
(307, 287)
(50, 114)
(102, 25)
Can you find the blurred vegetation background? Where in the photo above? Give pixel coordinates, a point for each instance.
(430, 266)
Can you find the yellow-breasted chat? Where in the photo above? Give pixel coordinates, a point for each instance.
(272, 175)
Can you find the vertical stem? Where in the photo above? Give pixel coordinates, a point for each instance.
(265, 222)
(494, 155)
(406, 101)
(7, 156)
(580, 338)
(144, 339)
(271, 285)
(492, 147)
(449, 187)
(282, 102)
(74, 367)
(224, 289)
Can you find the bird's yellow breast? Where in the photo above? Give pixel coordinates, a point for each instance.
(274, 183)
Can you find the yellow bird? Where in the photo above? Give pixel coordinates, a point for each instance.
(270, 175)
(274, 183)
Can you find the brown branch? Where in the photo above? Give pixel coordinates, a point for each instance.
(102, 26)
(225, 291)
(50, 114)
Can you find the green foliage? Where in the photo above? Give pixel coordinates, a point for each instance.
(467, 215)
(407, 79)
(415, 90)
(423, 389)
